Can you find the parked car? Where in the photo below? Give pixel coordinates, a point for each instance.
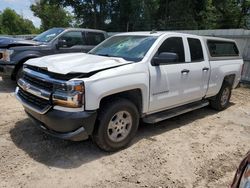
(242, 176)
(14, 52)
(131, 76)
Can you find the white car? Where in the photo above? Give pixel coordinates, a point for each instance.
(147, 76)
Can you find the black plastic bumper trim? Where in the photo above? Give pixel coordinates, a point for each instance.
(74, 126)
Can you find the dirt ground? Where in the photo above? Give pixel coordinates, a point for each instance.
(198, 149)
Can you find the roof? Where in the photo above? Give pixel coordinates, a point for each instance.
(218, 38)
(82, 29)
(144, 33)
(151, 33)
(160, 33)
(220, 32)
(228, 33)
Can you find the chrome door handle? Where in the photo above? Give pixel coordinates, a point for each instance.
(185, 71)
(205, 69)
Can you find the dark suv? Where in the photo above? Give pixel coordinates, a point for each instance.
(14, 52)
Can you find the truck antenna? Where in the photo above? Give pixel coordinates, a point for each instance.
(153, 31)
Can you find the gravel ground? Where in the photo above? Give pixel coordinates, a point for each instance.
(198, 149)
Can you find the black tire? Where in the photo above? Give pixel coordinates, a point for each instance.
(19, 73)
(108, 112)
(219, 103)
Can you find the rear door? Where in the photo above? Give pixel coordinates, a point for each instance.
(182, 82)
(196, 84)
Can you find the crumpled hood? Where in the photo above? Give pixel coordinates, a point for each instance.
(6, 42)
(76, 63)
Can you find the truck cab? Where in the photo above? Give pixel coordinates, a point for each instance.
(15, 52)
(128, 78)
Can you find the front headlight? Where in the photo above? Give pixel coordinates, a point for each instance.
(6, 54)
(70, 94)
(245, 179)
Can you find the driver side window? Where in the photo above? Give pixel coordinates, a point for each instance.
(72, 38)
(173, 45)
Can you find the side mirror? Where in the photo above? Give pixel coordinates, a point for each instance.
(165, 58)
(61, 43)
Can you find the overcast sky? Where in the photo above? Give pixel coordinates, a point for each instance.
(21, 7)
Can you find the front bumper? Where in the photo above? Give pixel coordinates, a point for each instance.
(75, 126)
(6, 69)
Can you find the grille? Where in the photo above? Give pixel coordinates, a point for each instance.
(38, 83)
(34, 100)
(63, 77)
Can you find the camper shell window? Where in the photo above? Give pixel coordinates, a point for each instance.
(222, 48)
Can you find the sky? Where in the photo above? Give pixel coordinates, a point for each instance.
(22, 7)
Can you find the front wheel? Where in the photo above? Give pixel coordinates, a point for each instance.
(118, 123)
(222, 99)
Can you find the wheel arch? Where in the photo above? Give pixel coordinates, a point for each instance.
(230, 79)
(20, 64)
(134, 95)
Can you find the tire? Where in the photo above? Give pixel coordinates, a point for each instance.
(118, 122)
(19, 73)
(222, 99)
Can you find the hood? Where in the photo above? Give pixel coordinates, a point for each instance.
(76, 63)
(7, 42)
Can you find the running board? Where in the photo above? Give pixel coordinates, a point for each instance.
(161, 116)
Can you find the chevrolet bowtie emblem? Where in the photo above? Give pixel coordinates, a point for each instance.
(26, 86)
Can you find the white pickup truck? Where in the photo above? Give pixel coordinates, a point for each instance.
(147, 76)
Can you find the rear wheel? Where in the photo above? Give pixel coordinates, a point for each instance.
(118, 123)
(222, 99)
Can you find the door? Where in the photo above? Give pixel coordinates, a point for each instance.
(93, 39)
(178, 83)
(72, 41)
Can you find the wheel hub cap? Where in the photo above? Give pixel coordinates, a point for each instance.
(119, 126)
(225, 96)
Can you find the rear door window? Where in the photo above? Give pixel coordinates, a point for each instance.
(94, 38)
(222, 48)
(195, 50)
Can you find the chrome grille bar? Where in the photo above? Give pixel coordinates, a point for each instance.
(33, 90)
(30, 106)
(42, 77)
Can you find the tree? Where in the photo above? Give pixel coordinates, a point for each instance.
(1, 26)
(132, 15)
(232, 13)
(12, 23)
(51, 15)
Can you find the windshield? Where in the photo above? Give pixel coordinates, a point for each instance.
(131, 48)
(48, 35)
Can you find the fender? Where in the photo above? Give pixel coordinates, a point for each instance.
(20, 58)
(116, 80)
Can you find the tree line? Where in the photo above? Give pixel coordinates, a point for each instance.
(12, 23)
(134, 15)
(140, 15)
